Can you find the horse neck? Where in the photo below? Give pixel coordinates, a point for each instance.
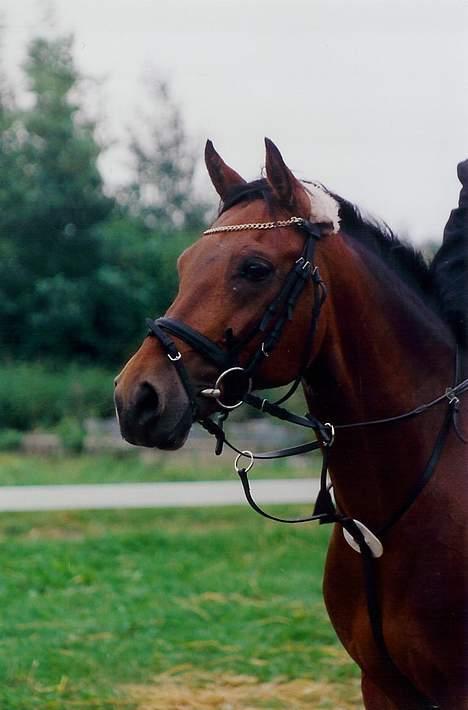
(383, 353)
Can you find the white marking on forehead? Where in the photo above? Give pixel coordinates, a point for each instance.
(323, 207)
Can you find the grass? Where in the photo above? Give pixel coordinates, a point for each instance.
(99, 608)
(20, 469)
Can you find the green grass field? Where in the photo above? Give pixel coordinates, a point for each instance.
(19, 469)
(108, 609)
(162, 609)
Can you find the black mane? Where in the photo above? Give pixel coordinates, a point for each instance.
(407, 261)
(373, 234)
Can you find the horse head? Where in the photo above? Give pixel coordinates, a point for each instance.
(229, 280)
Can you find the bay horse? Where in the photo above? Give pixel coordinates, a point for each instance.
(377, 348)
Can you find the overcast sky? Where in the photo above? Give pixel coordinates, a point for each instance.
(369, 97)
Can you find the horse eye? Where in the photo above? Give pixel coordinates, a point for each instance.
(255, 270)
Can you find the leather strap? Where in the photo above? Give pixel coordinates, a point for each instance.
(199, 342)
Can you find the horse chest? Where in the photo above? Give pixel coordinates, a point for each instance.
(422, 596)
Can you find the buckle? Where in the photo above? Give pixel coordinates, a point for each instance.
(452, 397)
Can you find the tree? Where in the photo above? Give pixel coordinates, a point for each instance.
(163, 193)
(66, 189)
(158, 215)
(12, 201)
(78, 270)
(49, 227)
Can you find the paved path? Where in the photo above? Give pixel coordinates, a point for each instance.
(154, 495)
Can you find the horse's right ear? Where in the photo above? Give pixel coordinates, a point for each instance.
(222, 176)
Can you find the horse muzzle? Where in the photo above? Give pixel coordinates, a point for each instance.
(148, 417)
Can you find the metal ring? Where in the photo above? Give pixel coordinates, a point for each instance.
(248, 454)
(265, 353)
(175, 357)
(217, 386)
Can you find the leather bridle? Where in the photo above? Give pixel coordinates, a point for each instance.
(269, 328)
(234, 385)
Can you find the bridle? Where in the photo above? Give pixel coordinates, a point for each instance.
(233, 388)
(269, 327)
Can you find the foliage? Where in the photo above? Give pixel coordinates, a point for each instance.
(33, 395)
(10, 440)
(72, 434)
(49, 207)
(78, 270)
(92, 601)
(137, 279)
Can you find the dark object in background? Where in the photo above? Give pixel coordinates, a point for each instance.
(450, 265)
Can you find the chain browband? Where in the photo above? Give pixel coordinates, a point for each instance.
(270, 328)
(255, 225)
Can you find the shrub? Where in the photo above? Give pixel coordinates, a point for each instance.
(10, 439)
(36, 395)
(72, 434)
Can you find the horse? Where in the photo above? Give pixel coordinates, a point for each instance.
(378, 347)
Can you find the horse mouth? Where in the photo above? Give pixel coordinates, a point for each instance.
(155, 433)
(178, 436)
(174, 438)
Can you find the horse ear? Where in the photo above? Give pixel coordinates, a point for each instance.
(222, 176)
(286, 188)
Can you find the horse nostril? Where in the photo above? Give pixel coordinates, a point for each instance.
(147, 400)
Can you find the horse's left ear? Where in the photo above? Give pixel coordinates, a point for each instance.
(286, 188)
(222, 176)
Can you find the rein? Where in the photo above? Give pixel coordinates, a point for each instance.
(239, 380)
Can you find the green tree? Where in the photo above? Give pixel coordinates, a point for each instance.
(50, 227)
(145, 265)
(12, 201)
(159, 215)
(78, 270)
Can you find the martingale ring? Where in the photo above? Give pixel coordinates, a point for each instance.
(248, 454)
(227, 372)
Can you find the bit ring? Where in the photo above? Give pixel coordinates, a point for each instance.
(220, 379)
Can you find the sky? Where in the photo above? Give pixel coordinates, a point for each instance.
(369, 97)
